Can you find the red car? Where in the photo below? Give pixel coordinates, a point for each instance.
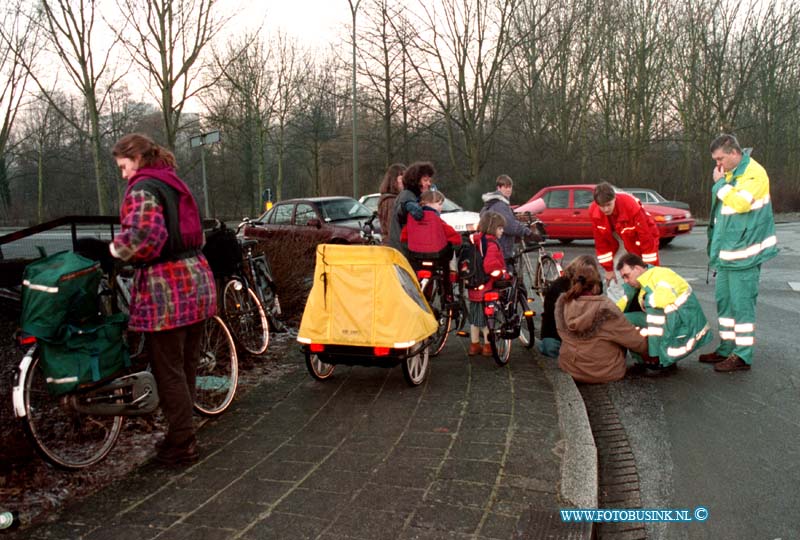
(566, 217)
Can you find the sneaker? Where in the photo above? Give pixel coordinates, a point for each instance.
(474, 349)
(178, 455)
(660, 371)
(732, 363)
(711, 358)
(487, 350)
(636, 370)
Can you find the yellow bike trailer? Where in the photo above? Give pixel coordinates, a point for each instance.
(365, 308)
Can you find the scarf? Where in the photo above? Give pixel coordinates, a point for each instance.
(188, 214)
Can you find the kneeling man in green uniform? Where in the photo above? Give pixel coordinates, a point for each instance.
(665, 309)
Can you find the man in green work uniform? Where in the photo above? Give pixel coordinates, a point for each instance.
(741, 236)
(662, 304)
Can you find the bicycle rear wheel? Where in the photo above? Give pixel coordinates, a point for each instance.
(546, 273)
(434, 293)
(61, 435)
(217, 370)
(461, 311)
(269, 296)
(527, 327)
(500, 345)
(246, 316)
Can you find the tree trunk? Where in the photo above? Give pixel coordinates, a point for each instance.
(97, 151)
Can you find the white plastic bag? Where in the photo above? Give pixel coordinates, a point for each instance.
(614, 290)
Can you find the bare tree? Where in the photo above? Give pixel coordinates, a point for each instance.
(259, 86)
(39, 128)
(18, 47)
(319, 121)
(168, 38)
(534, 24)
(391, 89)
(291, 66)
(245, 76)
(460, 56)
(635, 44)
(74, 38)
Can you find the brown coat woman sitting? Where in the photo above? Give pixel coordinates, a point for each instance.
(594, 333)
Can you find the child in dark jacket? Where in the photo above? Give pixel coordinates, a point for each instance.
(491, 226)
(551, 340)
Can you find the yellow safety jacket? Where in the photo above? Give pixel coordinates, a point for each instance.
(741, 231)
(676, 324)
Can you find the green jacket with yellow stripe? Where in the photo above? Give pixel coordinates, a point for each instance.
(676, 324)
(741, 231)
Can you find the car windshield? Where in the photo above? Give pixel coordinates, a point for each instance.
(343, 209)
(647, 196)
(450, 206)
(372, 202)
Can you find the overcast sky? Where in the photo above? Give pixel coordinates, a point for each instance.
(313, 22)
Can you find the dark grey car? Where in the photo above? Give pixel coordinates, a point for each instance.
(649, 196)
(317, 220)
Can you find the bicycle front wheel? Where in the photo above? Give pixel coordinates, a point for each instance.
(546, 273)
(217, 370)
(246, 316)
(527, 327)
(60, 434)
(434, 293)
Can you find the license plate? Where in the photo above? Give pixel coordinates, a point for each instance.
(683, 227)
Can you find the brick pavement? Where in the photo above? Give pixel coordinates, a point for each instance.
(475, 452)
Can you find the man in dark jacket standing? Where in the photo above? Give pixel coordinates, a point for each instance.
(498, 201)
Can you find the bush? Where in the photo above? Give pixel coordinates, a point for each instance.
(292, 260)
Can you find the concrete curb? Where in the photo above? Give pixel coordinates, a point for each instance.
(579, 478)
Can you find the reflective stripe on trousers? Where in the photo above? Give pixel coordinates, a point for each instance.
(736, 292)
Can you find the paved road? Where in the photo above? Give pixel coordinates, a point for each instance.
(729, 442)
(475, 452)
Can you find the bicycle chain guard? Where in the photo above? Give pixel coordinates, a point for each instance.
(129, 395)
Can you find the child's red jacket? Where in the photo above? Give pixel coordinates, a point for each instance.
(493, 261)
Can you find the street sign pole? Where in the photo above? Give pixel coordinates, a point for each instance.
(201, 140)
(205, 182)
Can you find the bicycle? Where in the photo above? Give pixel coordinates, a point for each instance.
(548, 266)
(249, 299)
(78, 429)
(368, 231)
(508, 312)
(447, 311)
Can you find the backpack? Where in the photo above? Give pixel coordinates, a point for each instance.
(470, 263)
(222, 250)
(60, 304)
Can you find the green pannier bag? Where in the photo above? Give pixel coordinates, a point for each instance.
(57, 291)
(87, 354)
(60, 308)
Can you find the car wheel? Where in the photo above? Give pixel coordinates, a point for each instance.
(665, 241)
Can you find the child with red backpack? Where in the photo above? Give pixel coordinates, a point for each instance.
(430, 237)
(490, 229)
